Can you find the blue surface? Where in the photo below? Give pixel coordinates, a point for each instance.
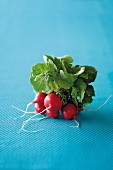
(29, 29)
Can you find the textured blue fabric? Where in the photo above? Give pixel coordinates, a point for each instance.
(29, 29)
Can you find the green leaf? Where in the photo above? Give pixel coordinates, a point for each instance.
(63, 67)
(39, 82)
(53, 85)
(47, 57)
(74, 92)
(90, 69)
(55, 60)
(90, 90)
(38, 77)
(39, 68)
(62, 63)
(70, 78)
(77, 70)
(81, 86)
(67, 66)
(52, 66)
(84, 75)
(75, 101)
(42, 83)
(67, 59)
(87, 99)
(62, 81)
(92, 73)
(80, 71)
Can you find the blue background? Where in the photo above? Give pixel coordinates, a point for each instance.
(82, 29)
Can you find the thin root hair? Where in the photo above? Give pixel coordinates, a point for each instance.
(78, 124)
(91, 110)
(32, 118)
(25, 112)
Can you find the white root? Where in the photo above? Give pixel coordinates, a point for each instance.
(91, 110)
(25, 112)
(32, 118)
(29, 104)
(40, 118)
(35, 131)
(76, 123)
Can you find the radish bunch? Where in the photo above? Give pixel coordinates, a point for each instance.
(61, 86)
(51, 104)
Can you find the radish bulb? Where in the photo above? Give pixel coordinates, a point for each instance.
(70, 111)
(53, 101)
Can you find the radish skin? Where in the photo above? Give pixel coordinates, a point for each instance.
(53, 101)
(39, 108)
(52, 113)
(69, 111)
(39, 98)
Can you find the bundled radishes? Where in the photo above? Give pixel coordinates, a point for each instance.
(52, 104)
(61, 87)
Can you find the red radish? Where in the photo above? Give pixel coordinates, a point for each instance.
(69, 111)
(39, 108)
(53, 101)
(52, 113)
(39, 104)
(39, 98)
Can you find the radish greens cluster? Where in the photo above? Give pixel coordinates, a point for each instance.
(58, 75)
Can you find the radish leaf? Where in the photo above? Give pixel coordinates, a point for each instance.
(90, 90)
(81, 86)
(87, 99)
(92, 72)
